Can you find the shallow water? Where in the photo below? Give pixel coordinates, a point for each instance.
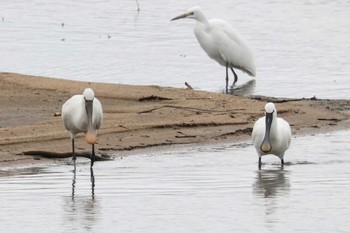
(201, 189)
(298, 45)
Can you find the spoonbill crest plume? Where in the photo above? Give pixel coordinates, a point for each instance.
(271, 134)
(222, 43)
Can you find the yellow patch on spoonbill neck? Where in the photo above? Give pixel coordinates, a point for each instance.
(265, 147)
(90, 137)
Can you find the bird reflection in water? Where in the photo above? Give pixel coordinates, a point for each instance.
(270, 183)
(80, 212)
(73, 182)
(92, 179)
(270, 187)
(246, 89)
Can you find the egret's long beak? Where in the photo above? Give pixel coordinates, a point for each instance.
(181, 16)
(266, 145)
(91, 132)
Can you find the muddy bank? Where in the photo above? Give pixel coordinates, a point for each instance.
(142, 116)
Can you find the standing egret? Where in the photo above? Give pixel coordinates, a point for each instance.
(83, 114)
(222, 43)
(271, 135)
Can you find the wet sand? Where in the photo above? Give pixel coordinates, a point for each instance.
(141, 117)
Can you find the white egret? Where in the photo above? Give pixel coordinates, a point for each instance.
(271, 135)
(222, 43)
(83, 114)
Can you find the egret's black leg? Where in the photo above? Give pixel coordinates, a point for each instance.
(259, 163)
(236, 76)
(226, 78)
(282, 162)
(93, 155)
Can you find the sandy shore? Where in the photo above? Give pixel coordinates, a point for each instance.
(137, 117)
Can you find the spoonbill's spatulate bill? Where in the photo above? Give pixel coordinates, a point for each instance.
(271, 135)
(83, 114)
(222, 43)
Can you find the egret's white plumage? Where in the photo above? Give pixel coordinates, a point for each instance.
(271, 135)
(222, 43)
(83, 114)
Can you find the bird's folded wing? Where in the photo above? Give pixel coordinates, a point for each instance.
(232, 47)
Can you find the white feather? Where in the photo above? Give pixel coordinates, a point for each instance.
(75, 118)
(280, 133)
(221, 42)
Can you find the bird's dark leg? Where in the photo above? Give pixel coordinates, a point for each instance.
(92, 177)
(74, 171)
(236, 76)
(226, 78)
(259, 163)
(74, 156)
(93, 155)
(282, 162)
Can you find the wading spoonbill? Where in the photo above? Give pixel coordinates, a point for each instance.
(271, 134)
(83, 114)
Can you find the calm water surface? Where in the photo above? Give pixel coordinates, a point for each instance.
(200, 189)
(298, 45)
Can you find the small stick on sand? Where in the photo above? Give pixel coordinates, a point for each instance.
(188, 86)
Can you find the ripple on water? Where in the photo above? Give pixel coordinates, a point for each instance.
(206, 189)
